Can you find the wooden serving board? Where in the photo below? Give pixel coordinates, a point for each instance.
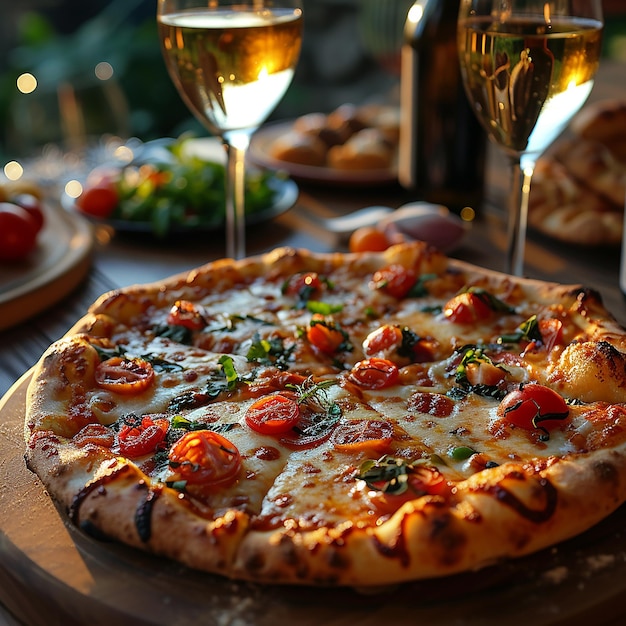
(50, 573)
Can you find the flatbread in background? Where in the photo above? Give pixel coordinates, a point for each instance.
(594, 166)
(604, 122)
(564, 209)
(579, 186)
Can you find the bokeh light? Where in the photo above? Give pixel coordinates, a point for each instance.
(26, 83)
(104, 71)
(73, 188)
(13, 170)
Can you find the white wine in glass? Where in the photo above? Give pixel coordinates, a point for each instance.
(528, 66)
(232, 62)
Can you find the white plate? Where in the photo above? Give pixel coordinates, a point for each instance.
(59, 262)
(259, 154)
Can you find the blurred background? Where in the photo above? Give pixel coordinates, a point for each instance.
(75, 68)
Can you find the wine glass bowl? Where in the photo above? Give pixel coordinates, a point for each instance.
(231, 61)
(528, 67)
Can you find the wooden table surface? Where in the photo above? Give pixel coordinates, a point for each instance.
(120, 260)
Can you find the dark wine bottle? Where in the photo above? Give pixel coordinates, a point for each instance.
(442, 144)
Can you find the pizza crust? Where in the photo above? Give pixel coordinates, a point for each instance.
(423, 539)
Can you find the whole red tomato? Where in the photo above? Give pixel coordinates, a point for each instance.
(18, 232)
(32, 205)
(98, 201)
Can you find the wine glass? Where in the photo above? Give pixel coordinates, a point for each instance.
(528, 67)
(231, 61)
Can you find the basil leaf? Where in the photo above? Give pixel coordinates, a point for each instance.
(270, 352)
(228, 367)
(526, 331)
(315, 306)
(419, 290)
(108, 353)
(179, 334)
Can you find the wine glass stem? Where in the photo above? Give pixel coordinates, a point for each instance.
(518, 217)
(236, 148)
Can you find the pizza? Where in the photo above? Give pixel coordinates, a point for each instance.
(351, 419)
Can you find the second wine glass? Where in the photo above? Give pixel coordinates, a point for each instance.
(232, 62)
(528, 67)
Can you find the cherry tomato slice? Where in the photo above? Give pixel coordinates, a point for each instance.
(137, 441)
(533, 406)
(125, 376)
(206, 458)
(303, 286)
(324, 335)
(273, 415)
(375, 373)
(187, 314)
(551, 332)
(363, 434)
(384, 339)
(396, 280)
(467, 308)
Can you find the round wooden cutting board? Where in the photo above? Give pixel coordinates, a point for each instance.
(50, 574)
